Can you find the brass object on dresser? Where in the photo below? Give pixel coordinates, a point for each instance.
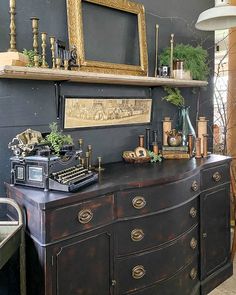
(144, 229)
(76, 37)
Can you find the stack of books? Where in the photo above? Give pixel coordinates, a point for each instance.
(175, 152)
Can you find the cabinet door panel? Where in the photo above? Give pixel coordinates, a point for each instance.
(215, 229)
(83, 267)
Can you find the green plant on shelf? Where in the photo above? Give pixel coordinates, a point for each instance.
(154, 158)
(56, 139)
(31, 54)
(174, 96)
(195, 59)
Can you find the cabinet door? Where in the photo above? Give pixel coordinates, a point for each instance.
(83, 267)
(215, 229)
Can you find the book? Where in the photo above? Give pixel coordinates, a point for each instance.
(174, 152)
(176, 156)
(174, 148)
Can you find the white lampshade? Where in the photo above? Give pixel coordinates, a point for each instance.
(220, 17)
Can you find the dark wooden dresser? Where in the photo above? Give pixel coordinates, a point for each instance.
(143, 229)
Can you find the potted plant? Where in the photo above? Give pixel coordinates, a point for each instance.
(195, 59)
(57, 140)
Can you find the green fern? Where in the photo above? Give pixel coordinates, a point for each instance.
(31, 54)
(174, 96)
(195, 59)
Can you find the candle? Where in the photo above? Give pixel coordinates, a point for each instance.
(157, 37)
(166, 128)
(201, 129)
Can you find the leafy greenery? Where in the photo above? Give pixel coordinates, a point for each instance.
(31, 54)
(174, 96)
(154, 158)
(195, 59)
(57, 139)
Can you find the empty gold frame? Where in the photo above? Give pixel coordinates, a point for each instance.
(76, 37)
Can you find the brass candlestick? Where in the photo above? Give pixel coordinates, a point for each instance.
(12, 12)
(90, 151)
(36, 61)
(52, 40)
(66, 64)
(156, 51)
(35, 30)
(171, 54)
(100, 168)
(44, 45)
(87, 160)
(58, 63)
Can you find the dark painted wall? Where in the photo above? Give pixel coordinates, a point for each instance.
(25, 104)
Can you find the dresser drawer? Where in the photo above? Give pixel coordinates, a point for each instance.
(145, 269)
(175, 284)
(151, 231)
(79, 217)
(146, 200)
(214, 176)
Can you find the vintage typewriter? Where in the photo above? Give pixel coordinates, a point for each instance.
(34, 165)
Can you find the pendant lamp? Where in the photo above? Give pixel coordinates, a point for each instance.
(220, 17)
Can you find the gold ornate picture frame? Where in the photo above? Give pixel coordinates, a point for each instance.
(76, 37)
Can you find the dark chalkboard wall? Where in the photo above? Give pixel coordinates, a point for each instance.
(32, 104)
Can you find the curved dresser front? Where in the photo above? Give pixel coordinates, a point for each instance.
(143, 229)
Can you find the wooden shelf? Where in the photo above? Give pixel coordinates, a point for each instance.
(15, 72)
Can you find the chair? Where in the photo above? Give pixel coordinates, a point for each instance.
(233, 189)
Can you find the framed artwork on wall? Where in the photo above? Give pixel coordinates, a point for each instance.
(109, 36)
(79, 112)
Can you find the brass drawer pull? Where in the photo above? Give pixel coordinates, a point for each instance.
(137, 235)
(85, 216)
(216, 176)
(193, 274)
(193, 212)
(193, 243)
(195, 186)
(139, 202)
(138, 272)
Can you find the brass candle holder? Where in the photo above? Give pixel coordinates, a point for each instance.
(12, 57)
(35, 30)
(100, 168)
(58, 63)
(66, 64)
(52, 40)
(156, 51)
(12, 12)
(36, 61)
(90, 151)
(44, 45)
(171, 55)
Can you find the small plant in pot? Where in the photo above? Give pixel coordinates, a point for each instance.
(194, 59)
(58, 141)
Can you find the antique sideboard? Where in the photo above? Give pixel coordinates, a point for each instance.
(143, 229)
